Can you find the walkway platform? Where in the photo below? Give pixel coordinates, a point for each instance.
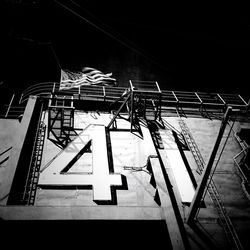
(169, 98)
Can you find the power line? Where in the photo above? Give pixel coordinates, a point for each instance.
(110, 35)
(101, 21)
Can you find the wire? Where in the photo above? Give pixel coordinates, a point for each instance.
(101, 21)
(110, 35)
(54, 53)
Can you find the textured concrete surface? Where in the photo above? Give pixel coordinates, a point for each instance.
(18, 138)
(137, 201)
(8, 128)
(129, 157)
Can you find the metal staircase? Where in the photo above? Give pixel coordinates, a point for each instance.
(224, 219)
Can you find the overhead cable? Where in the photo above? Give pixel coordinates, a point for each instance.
(109, 34)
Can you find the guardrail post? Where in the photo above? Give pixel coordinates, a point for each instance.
(7, 112)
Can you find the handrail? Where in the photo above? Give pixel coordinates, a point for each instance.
(244, 178)
(37, 84)
(214, 100)
(12, 98)
(244, 150)
(12, 112)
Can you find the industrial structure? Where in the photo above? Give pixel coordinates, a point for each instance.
(138, 153)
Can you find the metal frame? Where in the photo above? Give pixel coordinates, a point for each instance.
(59, 108)
(206, 172)
(137, 100)
(168, 98)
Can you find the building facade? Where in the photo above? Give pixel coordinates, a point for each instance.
(137, 154)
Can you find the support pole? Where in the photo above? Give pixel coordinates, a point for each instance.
(132, 111)
(7, 112)
(206, 172)
(248, 105)
(119, 110)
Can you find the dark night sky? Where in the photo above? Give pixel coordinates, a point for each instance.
(196, 48)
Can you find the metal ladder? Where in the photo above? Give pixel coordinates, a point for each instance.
(61, 119)
(35, 164)
(192, 146)
(224, 219)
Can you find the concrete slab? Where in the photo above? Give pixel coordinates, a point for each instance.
(80, 213)
(183, 181)
(179, 170)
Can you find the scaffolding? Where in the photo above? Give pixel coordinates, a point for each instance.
(186, 102)
(61, 119)
(142, 100)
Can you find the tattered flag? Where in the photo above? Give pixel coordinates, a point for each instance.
(87, 76)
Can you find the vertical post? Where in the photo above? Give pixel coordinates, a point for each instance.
(131, 85)
(157, 85)
(248, 104)
(131, 111)
(206, 172)
(20, 99)
(104, 93)
(119, 110)
(159, 108)
(54, 87)
(221, 99)
(7, 112)
(49, 114)
(18, 143)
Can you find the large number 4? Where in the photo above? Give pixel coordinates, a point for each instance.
(101, 179)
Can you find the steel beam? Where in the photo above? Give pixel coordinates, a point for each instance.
(206, 172)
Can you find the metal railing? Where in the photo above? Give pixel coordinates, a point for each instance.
(239, 158)
(169, 98)
(10, 112)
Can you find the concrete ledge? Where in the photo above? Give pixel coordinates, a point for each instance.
(166, 205)
(80, 213)
(164, 199)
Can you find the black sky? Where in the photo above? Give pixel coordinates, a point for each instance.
(196, 48)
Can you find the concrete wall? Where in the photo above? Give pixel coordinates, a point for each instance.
(8, 129)
(15, 136)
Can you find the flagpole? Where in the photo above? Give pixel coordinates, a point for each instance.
(58, 63)
(57, 60)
